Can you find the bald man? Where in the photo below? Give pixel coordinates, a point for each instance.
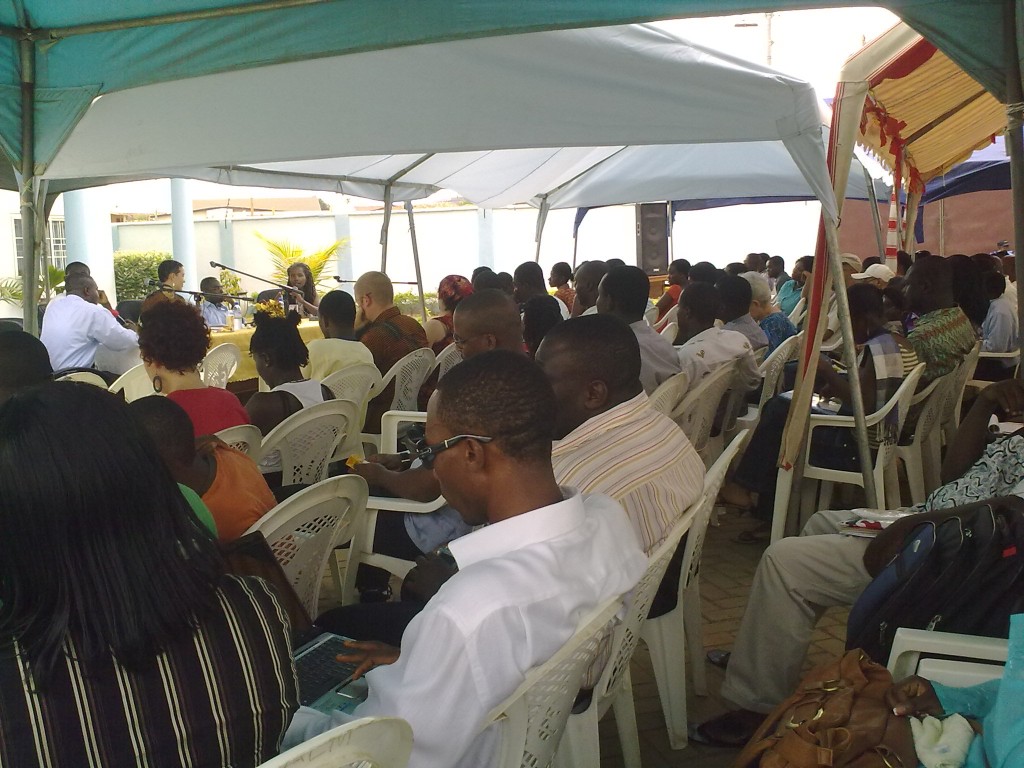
(486, 320)
(77, 327)
(588, 278)
(387, 333)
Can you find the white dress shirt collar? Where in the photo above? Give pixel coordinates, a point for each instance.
(520, 531)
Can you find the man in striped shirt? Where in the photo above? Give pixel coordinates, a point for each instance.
(610, 440)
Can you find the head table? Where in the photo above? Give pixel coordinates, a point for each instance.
(308, 330)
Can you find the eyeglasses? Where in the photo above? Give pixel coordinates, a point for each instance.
(427, 453)
(461, 342)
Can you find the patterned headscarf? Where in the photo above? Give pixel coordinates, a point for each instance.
(452, 290)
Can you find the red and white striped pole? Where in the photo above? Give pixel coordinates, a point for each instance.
(892, 235)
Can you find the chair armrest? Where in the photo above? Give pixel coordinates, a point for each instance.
(828, 420)
(389, 504)
(909, 644)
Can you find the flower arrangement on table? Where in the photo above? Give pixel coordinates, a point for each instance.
(270, 308)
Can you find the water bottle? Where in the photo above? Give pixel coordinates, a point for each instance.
(236, 319)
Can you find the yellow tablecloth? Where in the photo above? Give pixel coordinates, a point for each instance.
(308, 330)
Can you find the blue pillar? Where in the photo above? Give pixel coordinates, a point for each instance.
(343, 231)
(485, 237)
(183, 232)
(89, 237)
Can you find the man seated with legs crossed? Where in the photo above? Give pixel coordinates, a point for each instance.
(799, 577)
(546, 557)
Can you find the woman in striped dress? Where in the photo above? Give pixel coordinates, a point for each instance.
(122, 641)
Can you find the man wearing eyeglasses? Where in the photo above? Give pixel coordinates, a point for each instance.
(546, 557)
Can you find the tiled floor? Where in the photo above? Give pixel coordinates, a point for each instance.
(726, 573)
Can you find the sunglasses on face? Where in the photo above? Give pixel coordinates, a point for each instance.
(426, 453)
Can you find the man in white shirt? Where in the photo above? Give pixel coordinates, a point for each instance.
(336, 350)
(214, 309)
(546, 557)
(706, 347)
(999, 331)
(622, 293)
(77, 326)
(734, 310)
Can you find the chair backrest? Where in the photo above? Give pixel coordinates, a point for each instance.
(773, 366)
(307, 439)
(450, 357)
(963, 372)
(372, 742)
(535, 714)
(696, 413)
(270, 294)
(85, 377)
(926, 408)
(670, 320)
(303, 531)
(353, 382)
(409, 373)
(705, 505)
(627, 630)
(220, 365)
(129, 309)
(134, 383)
(670, 393)
(901, 402)
(797, 315)
(243, 437)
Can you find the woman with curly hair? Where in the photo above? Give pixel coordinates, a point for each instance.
(452, 290)
(300, 277)
(279, 352)
(173, 341)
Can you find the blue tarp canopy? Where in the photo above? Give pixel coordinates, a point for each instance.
(986, 169)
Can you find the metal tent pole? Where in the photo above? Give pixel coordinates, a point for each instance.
(542, 217)
(1015, 143)
(27, 186)
(850, 359)
(875, 217)
(416, 259)
(388, 194)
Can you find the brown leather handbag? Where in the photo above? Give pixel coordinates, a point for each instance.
(837, 718)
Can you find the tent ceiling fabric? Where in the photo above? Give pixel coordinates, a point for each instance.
(917, 95)
(334, 119)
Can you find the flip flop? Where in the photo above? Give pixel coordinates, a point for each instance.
(753, 536)
(734, 730)
(719, 658)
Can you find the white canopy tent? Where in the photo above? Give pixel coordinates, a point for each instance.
(500, 120)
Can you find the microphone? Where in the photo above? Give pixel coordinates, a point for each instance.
(153, 283)
(215, 265)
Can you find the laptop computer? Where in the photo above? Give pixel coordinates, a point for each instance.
(325, 684)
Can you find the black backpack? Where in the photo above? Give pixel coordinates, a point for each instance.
(965, 574)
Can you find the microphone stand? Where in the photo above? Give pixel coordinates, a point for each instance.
(200, 294)
(288, 288)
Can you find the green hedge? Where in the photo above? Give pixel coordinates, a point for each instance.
(409, 303)
(132, 269)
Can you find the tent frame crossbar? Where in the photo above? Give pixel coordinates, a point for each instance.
(58, 33)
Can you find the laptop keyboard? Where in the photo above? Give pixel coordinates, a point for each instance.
(319, 671)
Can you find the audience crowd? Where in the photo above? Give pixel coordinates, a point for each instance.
(130, 641)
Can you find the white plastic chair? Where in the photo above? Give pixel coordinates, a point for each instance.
(980, 384)
(669, 394)
(696, 413)
(135, 383)
(962, 660)
(304, 529)
(679, 632)
(955, 398)
(359, 383)
(670, 320)
(921, 453)
(243, 437)
(408, 375)
(372, 742)
(884, 456)
(771, 376)
(85, 377)
(450, 357)
(534, 716)
(797, 315)
(220, 365)
(307, 439)
(580, 746)
(360, 551)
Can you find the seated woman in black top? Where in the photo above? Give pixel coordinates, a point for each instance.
(122, 641)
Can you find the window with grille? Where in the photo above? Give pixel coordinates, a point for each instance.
(57, 249)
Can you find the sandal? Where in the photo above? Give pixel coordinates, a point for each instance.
(731, 730)
(759, 535)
